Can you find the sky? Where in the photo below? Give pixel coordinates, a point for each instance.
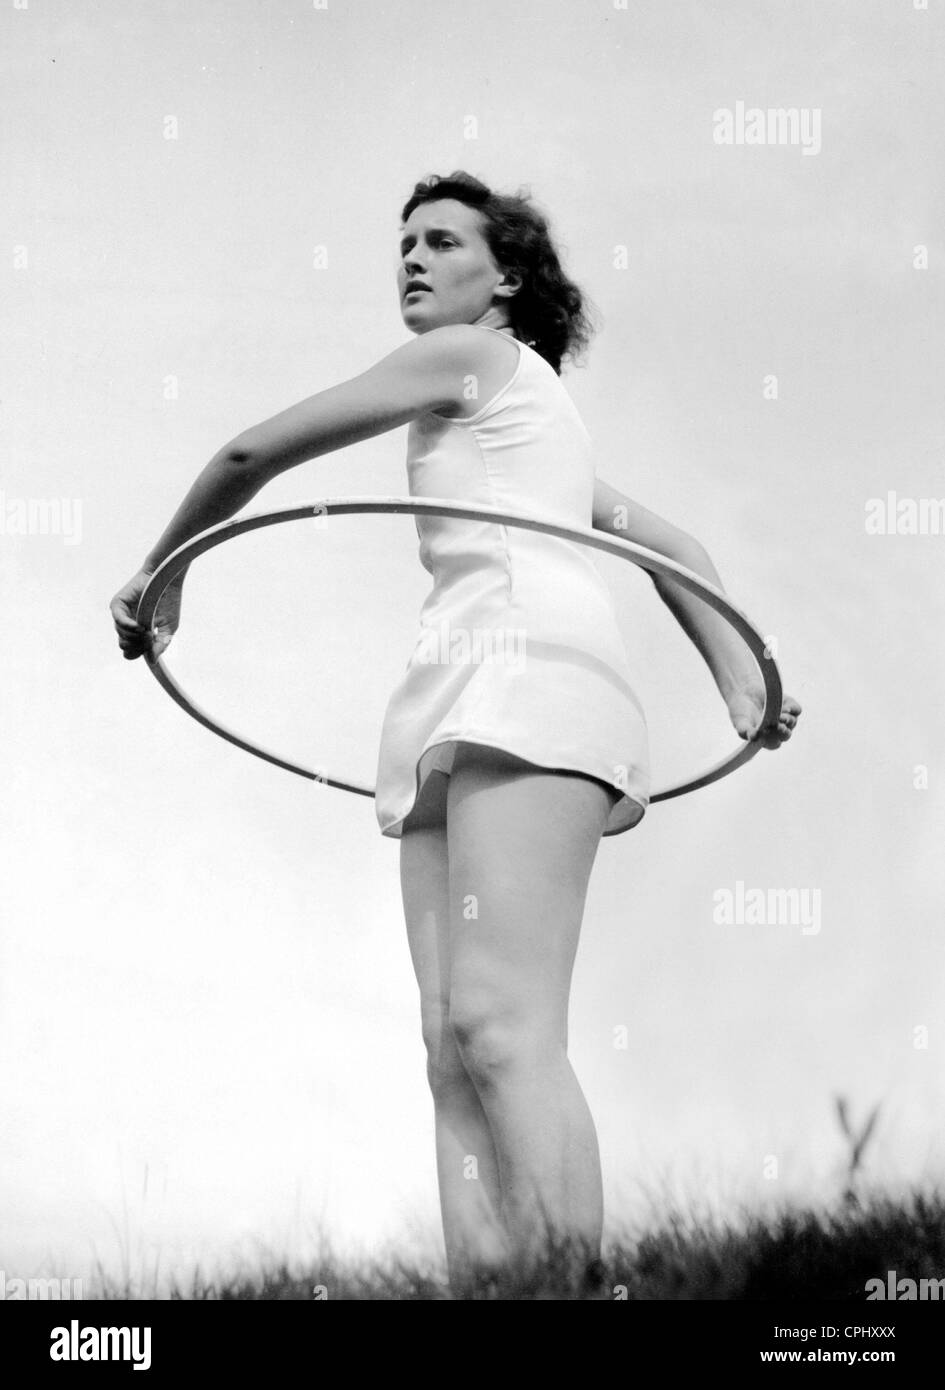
(209, 1031)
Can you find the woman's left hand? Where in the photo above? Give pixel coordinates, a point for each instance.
(746, 707)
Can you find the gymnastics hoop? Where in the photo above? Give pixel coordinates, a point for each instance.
(650, 560)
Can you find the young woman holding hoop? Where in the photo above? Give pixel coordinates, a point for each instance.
(499, 775)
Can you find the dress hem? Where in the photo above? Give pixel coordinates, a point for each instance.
(392, 830)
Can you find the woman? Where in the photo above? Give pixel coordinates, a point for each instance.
(499, 773)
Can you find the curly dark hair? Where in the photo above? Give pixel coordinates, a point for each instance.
(549, 311)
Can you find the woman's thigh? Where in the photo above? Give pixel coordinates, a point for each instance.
(424, 881)
(521, 844)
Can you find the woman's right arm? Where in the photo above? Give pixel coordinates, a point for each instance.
(427, 373)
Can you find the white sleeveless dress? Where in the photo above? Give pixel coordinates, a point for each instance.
(519, 647)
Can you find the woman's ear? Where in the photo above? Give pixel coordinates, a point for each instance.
(510, 284)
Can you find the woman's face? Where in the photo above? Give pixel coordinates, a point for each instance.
(443, 248)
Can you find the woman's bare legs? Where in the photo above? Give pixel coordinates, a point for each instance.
(521, 845)
(465, 1155)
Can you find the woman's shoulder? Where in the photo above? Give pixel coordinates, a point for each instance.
(486, 358)
(474, 339)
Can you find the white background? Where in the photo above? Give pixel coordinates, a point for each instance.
(210, 1036)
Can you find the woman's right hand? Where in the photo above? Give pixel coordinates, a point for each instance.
(133, 639)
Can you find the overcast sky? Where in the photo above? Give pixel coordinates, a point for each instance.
(210, 1031)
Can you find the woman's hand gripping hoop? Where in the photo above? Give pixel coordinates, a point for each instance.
(660, 565)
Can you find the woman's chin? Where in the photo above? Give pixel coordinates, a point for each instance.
(419, 322)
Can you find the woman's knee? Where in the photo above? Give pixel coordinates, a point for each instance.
(446, 1073)
(493, 1041)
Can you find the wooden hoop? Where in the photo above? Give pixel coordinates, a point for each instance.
(421, 506)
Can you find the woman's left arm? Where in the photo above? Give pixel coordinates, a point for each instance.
(733, 668)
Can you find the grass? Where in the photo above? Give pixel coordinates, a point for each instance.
(798, 1254)
(792, 1253)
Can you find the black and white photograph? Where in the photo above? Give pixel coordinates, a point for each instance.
(472, 507)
